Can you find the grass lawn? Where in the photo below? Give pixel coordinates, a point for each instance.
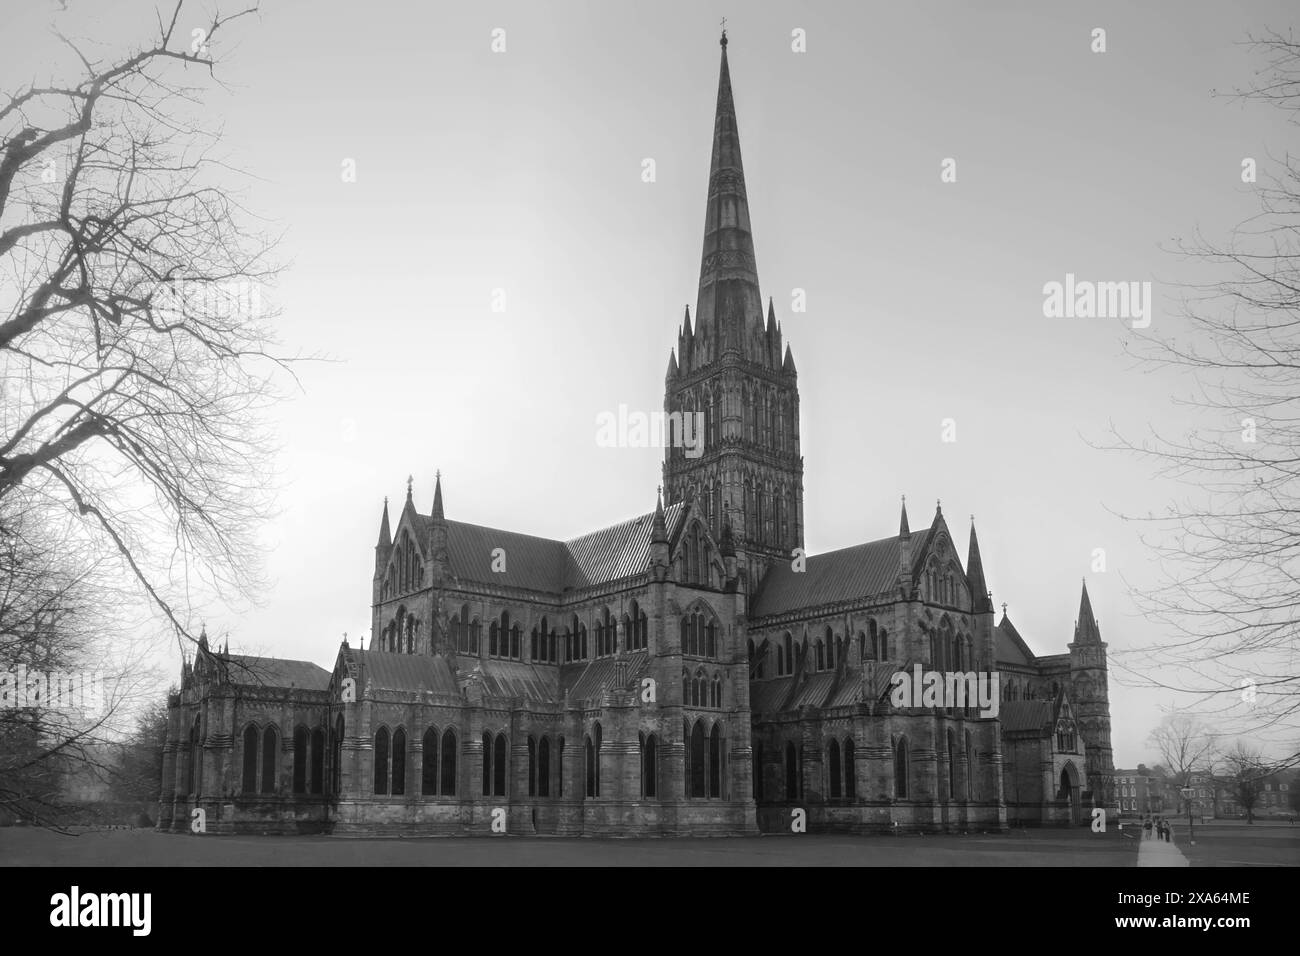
(23, 846)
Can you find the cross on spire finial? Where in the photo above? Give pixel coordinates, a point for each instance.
(723, 41)
(410, 480)
(438, 474)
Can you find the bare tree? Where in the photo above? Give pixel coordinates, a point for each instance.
(1229, 603)
(135, 358)
(1245, 768)
(1186, 747)
(68, 676)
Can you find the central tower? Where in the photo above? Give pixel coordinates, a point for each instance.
(729, 372)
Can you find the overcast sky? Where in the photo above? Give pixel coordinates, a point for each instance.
(522, 171)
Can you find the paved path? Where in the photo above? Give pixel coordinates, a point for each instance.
(1153, 851)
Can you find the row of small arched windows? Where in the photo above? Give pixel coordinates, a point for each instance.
(544, 642)
(841, 768)
(701, 690)
(1013, 689)
(949, 651)
(827, 651)
(400, 634)
(405, 570)
(260, 760)
(767, 418)
(705, 760)
(700, 636)
(438, 762)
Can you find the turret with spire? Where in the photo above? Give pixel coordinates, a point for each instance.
(383, 549)
(1090, 696)
(1086, 630)
(904, 554)
(659, 549)
(981, 602)
(438, 531)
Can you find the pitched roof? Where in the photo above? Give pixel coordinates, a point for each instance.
(859, 571)
(815, 690)
(378, 670)
(1008, 646)
(1025, 715)
(544, 564)
(273, 672)
(515, 679)
(765, 696)
(588, 682)
(619, 551)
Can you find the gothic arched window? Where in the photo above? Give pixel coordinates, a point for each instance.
(698, 769)
(399, 763)
(901, 768)
(318, 761)
(833, 755)
(270, 744)
(300, 759)
(429, 766)
(499, 766)
(850, 769)
(249, 783)
(715, 762)
(381, 761)
(649, 766)
(447, 767)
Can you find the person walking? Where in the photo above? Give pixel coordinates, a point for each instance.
(1146, 829)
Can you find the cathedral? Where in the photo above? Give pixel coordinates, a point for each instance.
(690, 671)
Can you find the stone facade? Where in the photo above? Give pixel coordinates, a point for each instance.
(690, 671)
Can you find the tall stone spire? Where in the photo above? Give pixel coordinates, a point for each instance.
(729, 311)
(731, 372)
(1086, 630)
(385, 534)
(437, 497)
(975, 574)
